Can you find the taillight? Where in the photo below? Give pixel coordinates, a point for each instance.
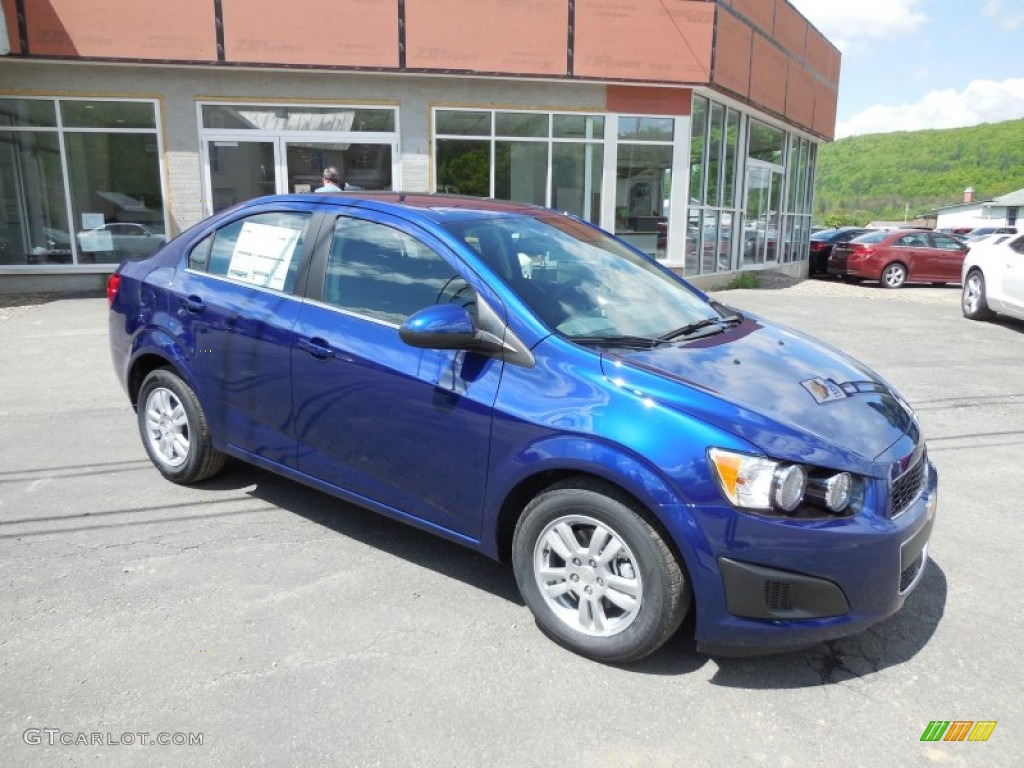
(817, 246)
(113, 283)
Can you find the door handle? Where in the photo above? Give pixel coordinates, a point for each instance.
(316, 347)
(194, 304)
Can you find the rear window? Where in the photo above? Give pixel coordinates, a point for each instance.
(871, 237)
(825, 234)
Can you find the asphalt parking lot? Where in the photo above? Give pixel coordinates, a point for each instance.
(283, 627)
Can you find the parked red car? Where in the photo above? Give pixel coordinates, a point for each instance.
(899, 256)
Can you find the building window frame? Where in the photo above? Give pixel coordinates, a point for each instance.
(64, 131)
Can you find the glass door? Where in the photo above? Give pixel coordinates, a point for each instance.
(761, 224)
(238, 170)
(361, 166)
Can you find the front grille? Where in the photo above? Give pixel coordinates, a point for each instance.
(907, 487)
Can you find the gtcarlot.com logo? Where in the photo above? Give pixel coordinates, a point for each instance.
(57, 737)
(958, 730)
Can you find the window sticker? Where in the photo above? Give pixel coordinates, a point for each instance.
(263, 254)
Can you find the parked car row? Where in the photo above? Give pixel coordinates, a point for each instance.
(896, 257)
(988, 263)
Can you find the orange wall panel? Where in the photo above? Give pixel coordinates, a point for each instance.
(821, 56)
(825, 98)
(768, 75)
(665, 40)
(513, 36)
(123, 29)
(790, 29)
(732, 53)
(648, 100)
(348, 33)
(760, 12)
(800, 94)
(11, 17)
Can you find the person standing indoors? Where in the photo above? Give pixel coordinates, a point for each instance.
(332, 180)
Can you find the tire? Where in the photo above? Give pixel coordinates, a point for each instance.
(174, 429)
(615, 604)
(894, 275)
(972, 300)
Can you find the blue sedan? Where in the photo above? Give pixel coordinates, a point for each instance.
(523, 383)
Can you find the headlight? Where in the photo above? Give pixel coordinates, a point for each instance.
(759, 483)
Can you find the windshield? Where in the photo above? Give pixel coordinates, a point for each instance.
(580, 281)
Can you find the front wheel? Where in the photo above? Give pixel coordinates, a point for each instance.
(599, 579)
(973, 301)
(174, 429)
(894, 275)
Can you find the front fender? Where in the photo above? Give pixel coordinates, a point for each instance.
(563, 454)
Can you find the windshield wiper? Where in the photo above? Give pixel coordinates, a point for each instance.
(622, 341)
(691, 328)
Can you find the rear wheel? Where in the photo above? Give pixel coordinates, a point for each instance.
(174, 429)
(599, 579)
(894, 275)
(973, 301)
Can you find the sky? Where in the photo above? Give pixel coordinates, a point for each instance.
(913, 64)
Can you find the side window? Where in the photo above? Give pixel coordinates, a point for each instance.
(1018, 244)
(946, 243)
(262, 250)
(915, 241)
(381, 272)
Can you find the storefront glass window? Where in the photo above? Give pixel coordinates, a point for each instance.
(525, 124)
(108, 151)
(34, 225)
(111, 188)
(26, 113)
(464, 167)
(556, 160)
(107, 114)
(521, 171)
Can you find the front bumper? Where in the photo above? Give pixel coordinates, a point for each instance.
(767, 585)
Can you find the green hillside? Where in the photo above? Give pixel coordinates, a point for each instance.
(876, 176)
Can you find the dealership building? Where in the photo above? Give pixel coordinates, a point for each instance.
(687, 127)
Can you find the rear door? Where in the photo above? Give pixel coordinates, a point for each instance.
(238, 300)
(403, 427)
(915, 252)
(947, 258)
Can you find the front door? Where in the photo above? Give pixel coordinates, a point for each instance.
(403, 427)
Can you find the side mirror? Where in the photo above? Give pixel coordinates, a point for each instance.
(442, 326)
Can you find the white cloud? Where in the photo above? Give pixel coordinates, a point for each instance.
(982, 101)
(852, 24)
(995, 9)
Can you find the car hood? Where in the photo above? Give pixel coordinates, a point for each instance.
(792, 396)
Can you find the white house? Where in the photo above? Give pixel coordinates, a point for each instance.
(1002, 211)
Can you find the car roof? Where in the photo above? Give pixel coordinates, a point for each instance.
(434, 206)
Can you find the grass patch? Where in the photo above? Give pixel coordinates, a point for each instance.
(745, 280)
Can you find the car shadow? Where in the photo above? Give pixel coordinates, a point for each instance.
(888, 643)
(375, 530)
